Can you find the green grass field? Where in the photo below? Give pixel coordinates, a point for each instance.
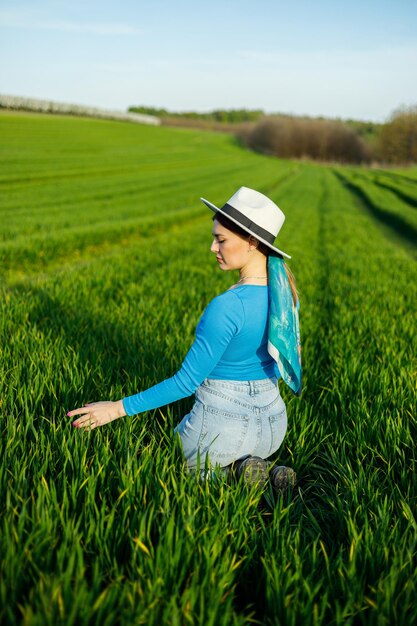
(105, 271)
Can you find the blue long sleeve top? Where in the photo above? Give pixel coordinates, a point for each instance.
(230, 344)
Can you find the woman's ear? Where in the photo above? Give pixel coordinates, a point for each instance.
(253, 243)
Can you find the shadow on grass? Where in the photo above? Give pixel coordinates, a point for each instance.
(402, 195)
(405, 232)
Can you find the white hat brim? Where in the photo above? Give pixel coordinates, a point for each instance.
(216, 209)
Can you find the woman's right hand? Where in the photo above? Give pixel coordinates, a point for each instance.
(97, 414)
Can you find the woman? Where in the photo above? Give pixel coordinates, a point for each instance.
(239, 418)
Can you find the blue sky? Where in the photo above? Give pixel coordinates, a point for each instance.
(334, 58)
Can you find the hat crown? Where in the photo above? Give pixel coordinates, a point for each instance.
(258, 208)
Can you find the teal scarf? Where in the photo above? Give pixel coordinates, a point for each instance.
(283, 326)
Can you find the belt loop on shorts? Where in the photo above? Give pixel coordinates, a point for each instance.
(251, 388)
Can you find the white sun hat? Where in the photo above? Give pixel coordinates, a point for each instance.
(255, 213)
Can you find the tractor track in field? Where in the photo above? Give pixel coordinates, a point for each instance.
(85, 256)
(399, 193)
(392, 223)
(402, 195)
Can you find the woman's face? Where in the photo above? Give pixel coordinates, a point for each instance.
(230, 249)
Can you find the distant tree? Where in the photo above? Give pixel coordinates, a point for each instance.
(398, 137)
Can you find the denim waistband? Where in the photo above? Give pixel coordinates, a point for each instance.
(249, 386)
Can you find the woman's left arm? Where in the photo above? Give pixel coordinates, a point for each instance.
(97, 414)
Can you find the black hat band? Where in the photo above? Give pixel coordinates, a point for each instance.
(247, 223)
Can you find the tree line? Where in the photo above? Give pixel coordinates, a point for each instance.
(226, 116)
(288, 136)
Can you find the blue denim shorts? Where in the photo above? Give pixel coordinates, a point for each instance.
(233, 419)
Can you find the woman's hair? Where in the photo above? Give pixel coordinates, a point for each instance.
(227, 223)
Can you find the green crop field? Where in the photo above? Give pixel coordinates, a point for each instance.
(105, 272)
